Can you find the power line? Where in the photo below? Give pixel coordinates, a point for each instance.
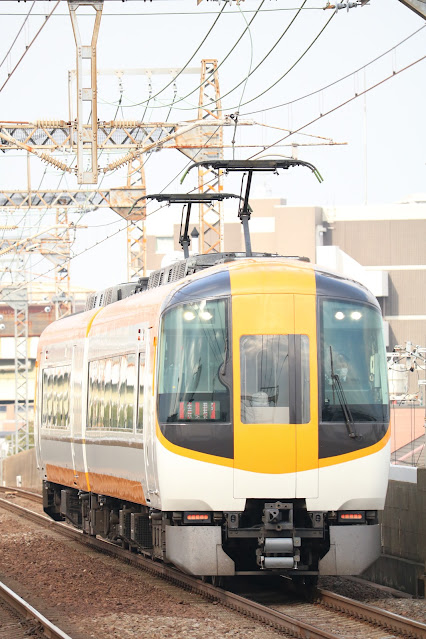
(217, 68)
(323, 115)
(187, 63)
(18, 34)
(28, 47)
(255, 69)
(278, 80)
(172, 13)
(332, 84)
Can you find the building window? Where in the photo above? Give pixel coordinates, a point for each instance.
(164, 245)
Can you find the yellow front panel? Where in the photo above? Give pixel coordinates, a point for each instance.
(277, 300)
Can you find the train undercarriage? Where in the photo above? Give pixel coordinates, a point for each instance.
(279, 537)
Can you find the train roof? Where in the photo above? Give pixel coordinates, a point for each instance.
(181, 269)
(173, 273)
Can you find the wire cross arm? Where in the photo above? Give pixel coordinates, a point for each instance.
(253, 165)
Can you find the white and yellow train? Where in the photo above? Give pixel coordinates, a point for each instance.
(229, 416)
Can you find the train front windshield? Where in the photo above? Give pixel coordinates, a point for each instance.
(352, 363)
(193, 357)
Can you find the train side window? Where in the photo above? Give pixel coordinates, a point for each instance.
(139, 423)
(55, 397)
(93, 394)
(115, 396)
(47, 398)
(66, 398)
(111, 392)
(107, 380)
(130, 390)
(122, 393)
(59, 398)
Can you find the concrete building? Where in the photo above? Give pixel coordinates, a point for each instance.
(41, 312)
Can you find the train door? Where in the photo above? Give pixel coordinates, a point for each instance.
(149, 437)
(275, 399)
(265, 453)
(38, 404)
(72, 412)
(78, 413)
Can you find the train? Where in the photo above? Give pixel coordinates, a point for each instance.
(228, 414)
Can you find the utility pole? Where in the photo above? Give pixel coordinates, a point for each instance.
(87, 136)
(210, 181)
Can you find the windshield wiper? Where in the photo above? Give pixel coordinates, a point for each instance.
(337, 386)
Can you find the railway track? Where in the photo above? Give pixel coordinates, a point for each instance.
(19, 620)
(20, 492)
(364, 620)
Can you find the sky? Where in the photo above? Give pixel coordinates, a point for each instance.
(380, 157)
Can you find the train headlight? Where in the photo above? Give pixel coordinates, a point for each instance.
(339, 315)
(188, 316)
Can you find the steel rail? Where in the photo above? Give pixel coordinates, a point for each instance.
(28, 612)
(265, 614)
(366, 612)
(20, 492)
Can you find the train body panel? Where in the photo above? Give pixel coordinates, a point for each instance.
(223, 399)
(360, 483)
(190, 484)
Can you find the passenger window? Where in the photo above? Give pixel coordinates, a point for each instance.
(111, 393)
(56, 397)
(130, 390)
(139, 423)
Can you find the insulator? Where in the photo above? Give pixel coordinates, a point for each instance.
(57, 163)
(42, 124)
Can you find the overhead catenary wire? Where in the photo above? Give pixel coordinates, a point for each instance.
(251, 157)
(339, 106)
(173, 80)
(213, 102)
(172, 13)
(244, 80)
(265, 91)
(209, 76)
(27, 48)
(341, 79)
(18, 34)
